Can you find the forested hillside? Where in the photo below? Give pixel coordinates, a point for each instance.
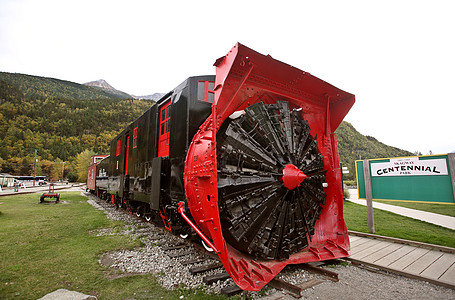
(36, 87)
(54, 117)
(353, 146)
(59, 128)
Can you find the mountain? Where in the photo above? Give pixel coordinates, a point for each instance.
(53, 116)
(155, 97)
(103, 85)
(352, 146)
(37, 87)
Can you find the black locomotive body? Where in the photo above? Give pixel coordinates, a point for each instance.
(247, 160)
(144, 171)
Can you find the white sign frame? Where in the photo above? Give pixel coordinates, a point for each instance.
(410, 167)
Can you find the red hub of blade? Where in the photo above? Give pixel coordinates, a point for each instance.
(292, 177)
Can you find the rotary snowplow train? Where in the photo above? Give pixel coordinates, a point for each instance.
(246, 159)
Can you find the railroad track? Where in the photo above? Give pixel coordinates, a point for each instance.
(204, 263)
(191, 255)
(443, 275)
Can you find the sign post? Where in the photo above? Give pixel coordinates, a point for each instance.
(451, 159)
(369, 195)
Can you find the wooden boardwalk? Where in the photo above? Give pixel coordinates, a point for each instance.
(416, 260)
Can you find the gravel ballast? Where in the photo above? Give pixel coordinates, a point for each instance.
(354, 282)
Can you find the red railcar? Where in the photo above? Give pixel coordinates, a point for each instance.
(91, 171)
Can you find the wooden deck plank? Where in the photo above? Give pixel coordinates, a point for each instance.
(395, 255)
(353, 238)
(368, 251)
(382, 253)
(449, 275)
(423, 262)
(440, 266)
(408, 259)
(363, 246)
(411, 259)
(360, 241)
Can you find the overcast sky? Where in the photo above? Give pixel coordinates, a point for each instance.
(397, 57)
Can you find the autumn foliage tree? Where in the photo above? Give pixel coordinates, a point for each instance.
(82, 163)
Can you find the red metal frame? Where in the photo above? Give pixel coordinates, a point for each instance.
(119, 147)
(166, 223)
(163, 130)
(245, 77)
(51, 194)
(205, 89)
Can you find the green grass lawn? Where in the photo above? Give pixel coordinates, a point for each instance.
(393, 225)
(437, 208)
(44, 247)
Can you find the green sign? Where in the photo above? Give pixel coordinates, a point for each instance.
(419, 178)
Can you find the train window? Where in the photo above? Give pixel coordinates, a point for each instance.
(163, 115)
(205, 91)
(211, 97)
(119, 147)
(201, 91)
(135, 137)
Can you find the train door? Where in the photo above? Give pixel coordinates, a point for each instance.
(124, 176)
(127, 153)
(163, 130)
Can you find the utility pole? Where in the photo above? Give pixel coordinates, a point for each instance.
(34, 169)
(63, 170)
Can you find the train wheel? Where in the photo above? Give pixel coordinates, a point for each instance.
(270, 181)
(140, 211)
(209, 249)
(148, 218)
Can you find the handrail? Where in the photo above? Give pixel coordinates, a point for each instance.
(181, 210)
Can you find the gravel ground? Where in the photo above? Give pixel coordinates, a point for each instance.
(354, 283)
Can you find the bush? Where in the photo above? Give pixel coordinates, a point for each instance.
(72, 176)
(350, 182)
